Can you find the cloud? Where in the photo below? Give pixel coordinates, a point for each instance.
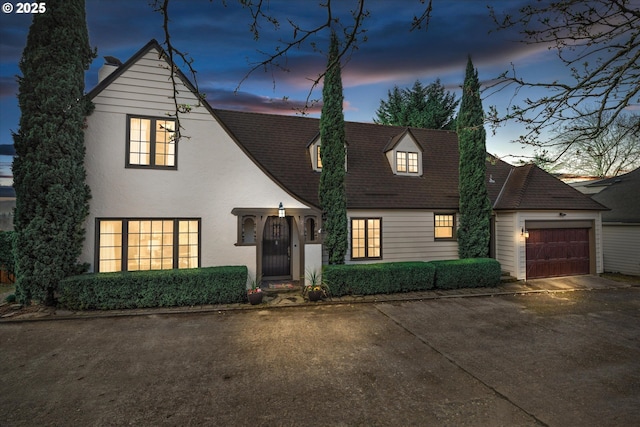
(8, 87)
(7, 150)
(244, 101)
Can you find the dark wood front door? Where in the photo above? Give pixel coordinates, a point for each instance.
(557, 252)
(276, 247)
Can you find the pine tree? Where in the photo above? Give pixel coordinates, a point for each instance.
(49, 176)
(475, 207)
(392, 111)
(332, 193)
(429, 107)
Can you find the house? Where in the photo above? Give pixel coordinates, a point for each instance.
(620, 225)
(241, 189)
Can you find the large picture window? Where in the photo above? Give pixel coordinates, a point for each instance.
(366, 238)
(147, 244)
(444, 226)
(150, 143)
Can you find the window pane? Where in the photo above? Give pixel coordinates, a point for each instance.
(443, 226)
(150, 245)
(357, 238)
(110, 246)
(413, 162)
(373, 238)
(165, 145)
(139, 140)
(401, 161)
(188, 243)
(318, 157)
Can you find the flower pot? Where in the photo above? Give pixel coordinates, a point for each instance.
(255, 297)
(315, 295)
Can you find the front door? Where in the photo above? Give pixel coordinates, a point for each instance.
(276, 248)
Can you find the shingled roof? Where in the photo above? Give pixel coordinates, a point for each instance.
(530, 188)
(621, 196)
(279, 144)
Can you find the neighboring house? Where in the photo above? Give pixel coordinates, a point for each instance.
(620, 225)
(215, 197)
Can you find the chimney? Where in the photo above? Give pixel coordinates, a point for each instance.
(111, 64)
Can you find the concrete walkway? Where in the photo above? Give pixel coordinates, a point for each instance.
(292, 298)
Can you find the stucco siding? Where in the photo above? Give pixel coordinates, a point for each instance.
(213, 174)
(621, 248)
(406, 236)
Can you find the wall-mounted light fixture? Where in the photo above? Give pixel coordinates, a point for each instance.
(524, 233)
(281, 211)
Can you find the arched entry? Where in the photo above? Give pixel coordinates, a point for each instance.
(276, 248)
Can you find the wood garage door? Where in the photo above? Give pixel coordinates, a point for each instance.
(557, 252)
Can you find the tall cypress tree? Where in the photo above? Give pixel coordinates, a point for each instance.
(332, 192)
(475, 207)
(52, 199)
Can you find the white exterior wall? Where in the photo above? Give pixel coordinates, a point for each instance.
(407, 235)
(313, 259)
(213, 175)
(509, 226)
(506, 241)
(621, 248)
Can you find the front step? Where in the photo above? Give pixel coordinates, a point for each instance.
(505, 277)
(275, 287)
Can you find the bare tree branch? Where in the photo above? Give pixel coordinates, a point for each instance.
(353, 31)
(599, 41)
(162, 6)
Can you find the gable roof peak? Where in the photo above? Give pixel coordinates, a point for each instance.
(395, 140)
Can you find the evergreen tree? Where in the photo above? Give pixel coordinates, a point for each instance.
(429, 107)
(49, 176)
(332, 193)
(416, 104)
(475, 207)
(392, 111)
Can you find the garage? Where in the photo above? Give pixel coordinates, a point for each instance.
(552, 252)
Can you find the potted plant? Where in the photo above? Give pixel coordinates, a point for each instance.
(254, 293)
(315, 289)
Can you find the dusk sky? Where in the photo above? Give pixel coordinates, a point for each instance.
(224, 50)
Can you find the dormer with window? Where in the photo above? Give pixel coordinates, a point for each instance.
(314, 148)
(404, 154)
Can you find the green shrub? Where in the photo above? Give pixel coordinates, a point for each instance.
(467, 273)
(380, 278)
(160, 288)
(11, 298)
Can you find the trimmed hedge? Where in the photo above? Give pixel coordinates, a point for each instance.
(467, 273)
(380, 278)
(159, 288)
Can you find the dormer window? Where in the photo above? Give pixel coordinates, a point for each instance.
(406, 162)
(404, 154)
(314, 148)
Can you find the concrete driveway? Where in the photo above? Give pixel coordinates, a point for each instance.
(559, 359)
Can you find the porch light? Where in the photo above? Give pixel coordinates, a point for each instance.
(524, 233)
(281, 212)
